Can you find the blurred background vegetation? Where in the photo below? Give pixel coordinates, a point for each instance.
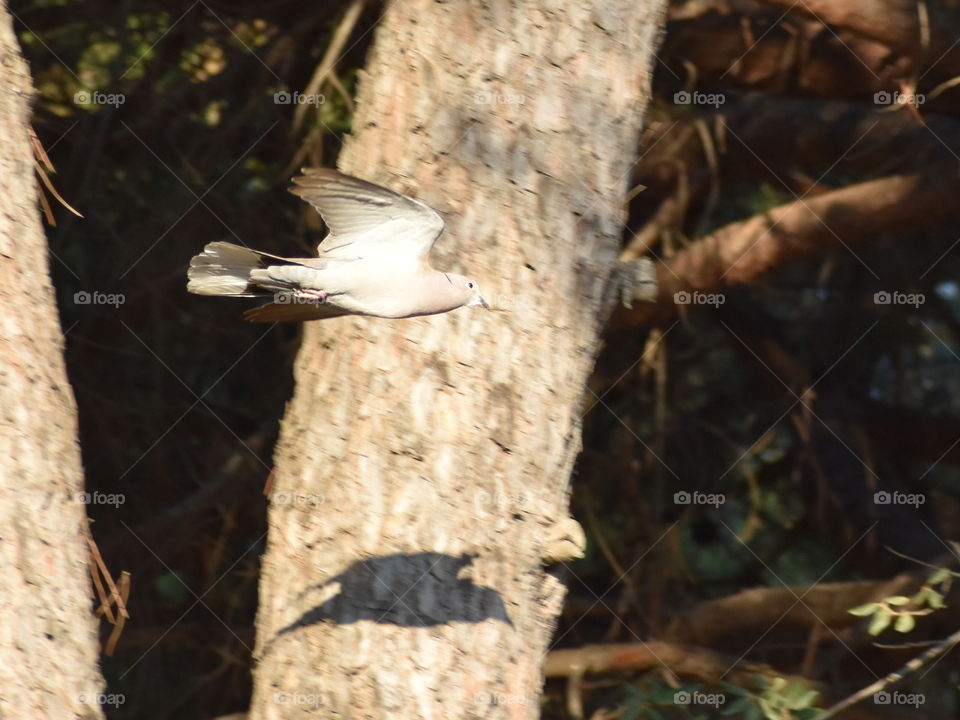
(796, 400)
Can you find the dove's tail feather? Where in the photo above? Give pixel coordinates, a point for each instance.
(224, 269)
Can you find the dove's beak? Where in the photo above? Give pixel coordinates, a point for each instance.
(482, 303)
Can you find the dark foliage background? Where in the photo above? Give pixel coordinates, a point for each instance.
(797, 399)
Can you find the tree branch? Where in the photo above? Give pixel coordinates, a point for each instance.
(746, 251)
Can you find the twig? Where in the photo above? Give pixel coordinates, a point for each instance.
(111, 643)
(330, 58)
(118, 595)
(893, 678)
(43, 167)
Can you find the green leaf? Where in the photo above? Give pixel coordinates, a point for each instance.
(898, 600)
(864, 610)
(939, 576)
(880, 622)
(769, 709)
(800, 696)
(905, 623)
(935, 600)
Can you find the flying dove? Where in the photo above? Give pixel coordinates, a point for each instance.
(372, 262)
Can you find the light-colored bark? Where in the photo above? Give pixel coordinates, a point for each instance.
(48, 639)
(423, 466)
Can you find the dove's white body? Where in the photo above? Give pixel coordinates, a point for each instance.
(398, 293)
(373, 262)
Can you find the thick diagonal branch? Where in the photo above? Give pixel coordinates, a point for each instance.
(748, 250)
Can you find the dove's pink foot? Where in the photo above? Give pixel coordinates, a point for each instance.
(319, 295)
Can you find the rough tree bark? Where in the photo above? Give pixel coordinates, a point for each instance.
(421, 490)
(48, 637)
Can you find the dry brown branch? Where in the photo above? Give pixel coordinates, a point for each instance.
(895, 677)
(777, 55)
(895, 23)
(44, 167)
(763, 136)
(746, 251)
(712, 622)
(685, 661)
(121, 600)
(117, 596)
(330, 58)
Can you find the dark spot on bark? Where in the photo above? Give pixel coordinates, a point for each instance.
(443, 371)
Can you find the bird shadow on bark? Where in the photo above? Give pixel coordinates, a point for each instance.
(408, 590)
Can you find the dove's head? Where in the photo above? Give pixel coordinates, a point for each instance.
(468, 290)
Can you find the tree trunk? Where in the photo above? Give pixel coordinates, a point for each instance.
(48, 637)
(423, 467)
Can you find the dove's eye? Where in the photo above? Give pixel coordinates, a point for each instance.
(470, 285)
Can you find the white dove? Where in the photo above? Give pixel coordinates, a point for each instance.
(372, 262)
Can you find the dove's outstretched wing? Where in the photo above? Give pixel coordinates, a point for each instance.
(367, 221)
